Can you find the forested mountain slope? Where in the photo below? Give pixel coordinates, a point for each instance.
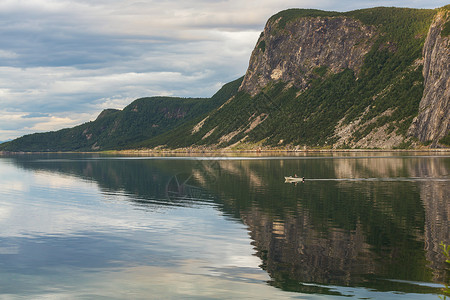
(335, 80)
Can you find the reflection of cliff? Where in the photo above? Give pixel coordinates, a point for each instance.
(432, 177)
(435, 196)
(210, 170)
(368, 167)
(293, 249)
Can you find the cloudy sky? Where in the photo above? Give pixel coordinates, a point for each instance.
(63, 61)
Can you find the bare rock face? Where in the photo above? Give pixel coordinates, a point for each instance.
(294, 53)
(433, 120)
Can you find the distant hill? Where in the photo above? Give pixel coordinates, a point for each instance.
(370, 78)
(120, 129)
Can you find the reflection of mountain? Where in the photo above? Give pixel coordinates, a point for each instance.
(358, 228)
(146, 182)
(293, 251)
(436, 201)
(434, 193)
(437, 222)
(363, 229)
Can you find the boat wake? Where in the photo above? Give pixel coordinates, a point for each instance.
(414, 179)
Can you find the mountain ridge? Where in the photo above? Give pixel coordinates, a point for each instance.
(370, 78)
(371, 106)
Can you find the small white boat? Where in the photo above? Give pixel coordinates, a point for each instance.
(294, 179)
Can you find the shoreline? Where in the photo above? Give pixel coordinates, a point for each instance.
(198, 152)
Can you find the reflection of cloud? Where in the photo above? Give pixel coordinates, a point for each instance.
(190, 279)
(5, 211)
(58, 181)
(55, 204)
(193, 280)
(67, 221)
(57, 219)
(12, 249)
(13, 186)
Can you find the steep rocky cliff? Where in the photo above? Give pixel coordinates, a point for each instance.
(296, 52)
(433, 120)
(328, 80)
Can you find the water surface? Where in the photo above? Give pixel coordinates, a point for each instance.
(88, 226)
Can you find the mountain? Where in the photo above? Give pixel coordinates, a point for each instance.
(433, 120)
(336, 80)
(370, 78)
(119, 129)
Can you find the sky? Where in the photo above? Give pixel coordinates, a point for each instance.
(63, 61)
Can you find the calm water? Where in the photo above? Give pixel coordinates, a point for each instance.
(363, 226)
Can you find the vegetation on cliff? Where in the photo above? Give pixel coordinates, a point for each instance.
(386, 93)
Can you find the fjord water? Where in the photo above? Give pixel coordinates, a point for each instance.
(362, 225)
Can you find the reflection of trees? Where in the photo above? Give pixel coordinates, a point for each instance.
(342, 232)
(325, 232)
(152, 182)
(297, 249)
(293, 251)
(183, 190)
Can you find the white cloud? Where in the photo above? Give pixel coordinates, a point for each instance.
(8, 54)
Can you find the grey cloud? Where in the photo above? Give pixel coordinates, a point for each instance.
(35, 115)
